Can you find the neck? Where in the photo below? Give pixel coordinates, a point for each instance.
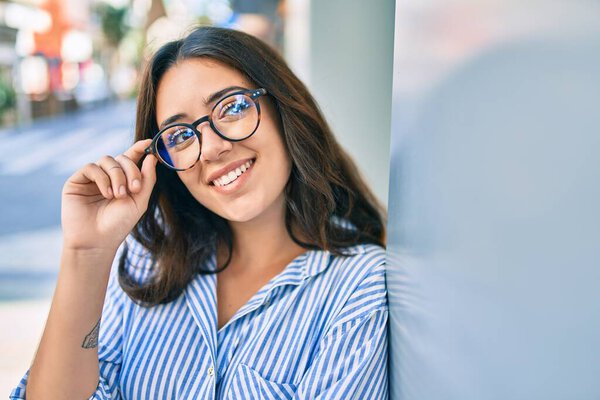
(262, 242)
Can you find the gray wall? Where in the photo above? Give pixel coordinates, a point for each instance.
(349, 53)
(494, 250)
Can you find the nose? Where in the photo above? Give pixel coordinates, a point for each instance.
(213, 146)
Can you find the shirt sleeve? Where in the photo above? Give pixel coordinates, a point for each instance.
(351, 360)
(110, 340)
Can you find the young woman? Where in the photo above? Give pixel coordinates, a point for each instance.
(253, 259)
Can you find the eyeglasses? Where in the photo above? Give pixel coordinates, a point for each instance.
(234, 118)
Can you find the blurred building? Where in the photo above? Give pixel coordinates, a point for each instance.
(51, 49)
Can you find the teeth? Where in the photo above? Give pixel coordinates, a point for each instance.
(232, 175)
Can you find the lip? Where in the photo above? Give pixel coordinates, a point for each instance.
(225, 170)
(235, 185)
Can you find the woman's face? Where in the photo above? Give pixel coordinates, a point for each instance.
(259, 190)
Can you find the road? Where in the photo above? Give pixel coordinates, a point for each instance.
(36, 161)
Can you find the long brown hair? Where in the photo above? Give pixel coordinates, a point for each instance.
(327, 201)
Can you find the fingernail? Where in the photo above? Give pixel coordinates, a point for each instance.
(122, 190)
(110, 193)
(135, 184)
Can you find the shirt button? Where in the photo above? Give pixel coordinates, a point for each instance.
(211, 371)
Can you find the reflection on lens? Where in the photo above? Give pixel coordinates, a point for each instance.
(179, 147)
(236, 116)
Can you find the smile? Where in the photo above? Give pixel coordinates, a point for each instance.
(233, 175)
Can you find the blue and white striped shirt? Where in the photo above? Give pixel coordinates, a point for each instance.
(317, 330)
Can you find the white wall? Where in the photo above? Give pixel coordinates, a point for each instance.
(343, 51)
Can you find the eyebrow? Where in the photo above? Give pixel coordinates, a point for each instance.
(211, 99)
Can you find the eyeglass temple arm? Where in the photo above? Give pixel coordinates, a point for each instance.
(257, 93)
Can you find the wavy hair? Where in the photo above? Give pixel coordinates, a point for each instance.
(324, 188)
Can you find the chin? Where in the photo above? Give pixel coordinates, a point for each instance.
(250, 209)
(246, 208)
(241, 209)
(241, 216)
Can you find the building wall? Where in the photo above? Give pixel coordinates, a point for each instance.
(343, 50)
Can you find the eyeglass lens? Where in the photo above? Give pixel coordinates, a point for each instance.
(235, 117)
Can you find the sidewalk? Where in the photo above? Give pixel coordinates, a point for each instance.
(23, 323)
(29, 264)
(28, 270)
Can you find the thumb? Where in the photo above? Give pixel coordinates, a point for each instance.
(148, 176)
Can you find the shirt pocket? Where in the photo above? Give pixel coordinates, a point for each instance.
(249, 384)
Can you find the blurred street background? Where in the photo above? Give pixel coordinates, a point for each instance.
(68, 79)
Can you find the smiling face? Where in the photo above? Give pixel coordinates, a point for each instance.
(239, 181)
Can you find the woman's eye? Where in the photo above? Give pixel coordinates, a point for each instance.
(234, 108)
(180, 137)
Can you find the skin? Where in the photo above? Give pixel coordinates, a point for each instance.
(256, 210)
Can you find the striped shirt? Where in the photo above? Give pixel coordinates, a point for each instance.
(317, 330)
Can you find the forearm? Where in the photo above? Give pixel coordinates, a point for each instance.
(66, 363)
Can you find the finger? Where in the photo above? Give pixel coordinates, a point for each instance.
(148, 175)
(92, 173)
(132, 173)
(148, 182)
(117, 176)
(137, 151)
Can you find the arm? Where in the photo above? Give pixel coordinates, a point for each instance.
(108, 353)
(101, 203)
(69, 344)
(351, 359)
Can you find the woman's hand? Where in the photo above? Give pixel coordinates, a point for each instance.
(102, 202)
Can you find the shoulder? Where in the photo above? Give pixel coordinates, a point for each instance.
(367, 255)
(354, 284)
(359, 263)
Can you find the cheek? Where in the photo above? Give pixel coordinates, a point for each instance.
(185, 176)
(192, 181)
(284, 159)
(278, 160)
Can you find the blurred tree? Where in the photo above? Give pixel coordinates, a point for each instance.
(7, 97)
(113, 21)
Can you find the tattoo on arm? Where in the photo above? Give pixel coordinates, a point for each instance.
(91, 339)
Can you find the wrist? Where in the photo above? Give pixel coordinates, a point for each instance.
(93, 258)
(86, 251)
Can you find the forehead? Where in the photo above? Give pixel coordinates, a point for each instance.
(185, 86)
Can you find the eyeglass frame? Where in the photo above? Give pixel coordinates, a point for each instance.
(254, 94)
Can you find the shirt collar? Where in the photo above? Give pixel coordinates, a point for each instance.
(306, 265)
(317, 261)
(201, 292)
(311, 263)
